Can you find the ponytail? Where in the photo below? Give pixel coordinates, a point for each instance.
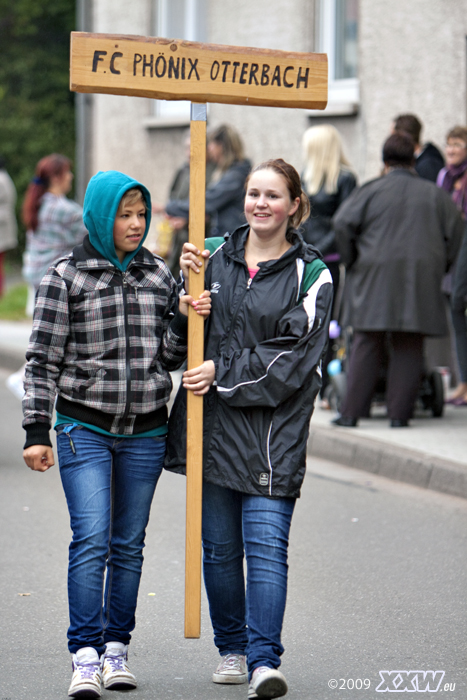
(48, 167)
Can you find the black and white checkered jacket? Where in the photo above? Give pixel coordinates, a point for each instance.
(104, 341)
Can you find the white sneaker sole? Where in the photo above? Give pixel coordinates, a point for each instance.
(273, 687)
(229, 680)
(120, 683)
(84, 693)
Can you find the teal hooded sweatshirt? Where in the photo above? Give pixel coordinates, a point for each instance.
(103, 195)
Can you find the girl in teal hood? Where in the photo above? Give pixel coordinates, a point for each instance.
(101, 202)
(108, 329)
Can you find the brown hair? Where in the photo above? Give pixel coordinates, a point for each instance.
(294, 186)
(47, 168)
(457, 132)
(232, 144)
(410, 124)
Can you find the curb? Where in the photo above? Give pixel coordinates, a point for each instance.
(400, 464)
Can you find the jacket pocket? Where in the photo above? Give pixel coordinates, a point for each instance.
(84, 386)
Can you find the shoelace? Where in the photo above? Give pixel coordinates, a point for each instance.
(232, 662)
(259, 670)
(87, 670)
(116, 662)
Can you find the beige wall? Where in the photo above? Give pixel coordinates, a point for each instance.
(412, 59)
(268, 132)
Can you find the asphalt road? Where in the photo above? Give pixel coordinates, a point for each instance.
(378, 579)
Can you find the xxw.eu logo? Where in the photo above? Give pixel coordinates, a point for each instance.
(411, 681)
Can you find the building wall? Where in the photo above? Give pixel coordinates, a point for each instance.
(122, 141)
(268, 132)
(412, 58)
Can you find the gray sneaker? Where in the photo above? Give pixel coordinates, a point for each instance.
(267, 683)
(231, 669)
(86, 681)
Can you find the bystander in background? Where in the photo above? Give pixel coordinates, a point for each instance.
(428, 158)
(54, 222)
(226, 191)
(328, 180)
(453, 179)
(175, 227)
(397, 235)
(8, 225)
(54, 226)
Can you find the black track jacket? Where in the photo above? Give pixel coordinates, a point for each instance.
(266, 337)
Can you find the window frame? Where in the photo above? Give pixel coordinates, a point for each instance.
(344, 93)
(169, 113)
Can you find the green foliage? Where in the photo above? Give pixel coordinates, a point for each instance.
(36, 106)
(13, 303)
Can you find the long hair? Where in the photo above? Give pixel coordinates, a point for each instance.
(324, 158)
(294, 186)
(231, 142)
(47, 168)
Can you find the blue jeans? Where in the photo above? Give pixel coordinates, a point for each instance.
(109, 484)
(233, 523)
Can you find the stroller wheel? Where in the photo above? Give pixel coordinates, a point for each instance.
(335, 391)
(437, 393)
(331, 397)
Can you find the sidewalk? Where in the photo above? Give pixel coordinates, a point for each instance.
(14, 337)
(432, 453)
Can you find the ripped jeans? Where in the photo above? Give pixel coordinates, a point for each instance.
(109, 484)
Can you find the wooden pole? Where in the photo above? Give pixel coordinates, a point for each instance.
(194, 458)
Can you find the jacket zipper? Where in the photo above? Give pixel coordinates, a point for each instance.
(127, 355)
(237, 311)
(229, 338)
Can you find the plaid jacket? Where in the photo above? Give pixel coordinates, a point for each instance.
(105, 341)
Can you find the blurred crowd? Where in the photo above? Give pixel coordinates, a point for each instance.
(395, 248)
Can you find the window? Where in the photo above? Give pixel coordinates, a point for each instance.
(177, 19)
(338, 37)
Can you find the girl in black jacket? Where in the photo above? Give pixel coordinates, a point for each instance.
(271, 307)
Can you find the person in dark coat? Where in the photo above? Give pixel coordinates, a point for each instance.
(428, 158)
(397, 235)
(180, 189)
(327, 180)
(226, 190)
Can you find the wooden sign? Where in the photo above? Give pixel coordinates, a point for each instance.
(171, 69)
